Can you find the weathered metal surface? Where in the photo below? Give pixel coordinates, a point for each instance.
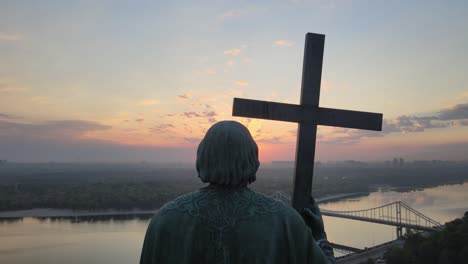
(306, 133)
(308, 115)
(266, 110)
(349, 119)
(301, 114)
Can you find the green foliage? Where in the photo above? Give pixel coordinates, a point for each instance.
(120, 186)
(443, 247)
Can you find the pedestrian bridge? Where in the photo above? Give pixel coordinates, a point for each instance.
(396, 214)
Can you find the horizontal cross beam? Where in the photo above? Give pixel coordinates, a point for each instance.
(307, 114)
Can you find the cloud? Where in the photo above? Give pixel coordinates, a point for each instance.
(162, 128)
(234, 13)
(39, 99)
(192, 139)
(456, 115)
(148, 102)
(459, 111)
(63, 141)
(446, 118)
(210, 71)
(233, 52)
(344, 136)
(283, 43)
(463, 122)
(441, 119)
(8, 116)
(10, 37)
(326, 85)
(330, 5)
(242, 83)
(247, 60)
(271, 140)
(209, 115)
(191, 114)
(412, 124)
(62, 129)
(9, 86)
(183, 96)
(11, 89)
(66, 141)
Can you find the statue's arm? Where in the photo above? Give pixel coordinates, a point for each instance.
(326, 249)
(313, 219)
(147, 253)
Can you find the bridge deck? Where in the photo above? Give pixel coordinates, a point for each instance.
(345, 248)
(379, 221)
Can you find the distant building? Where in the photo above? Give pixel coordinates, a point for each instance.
(398, 162)
(282, 163)
(354, 163)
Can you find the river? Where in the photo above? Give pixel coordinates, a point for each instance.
(53, 241)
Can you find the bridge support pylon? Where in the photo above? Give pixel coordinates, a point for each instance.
(399, 232)
(399, 229)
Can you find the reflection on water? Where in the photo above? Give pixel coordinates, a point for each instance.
(67, 241)
(118, 239)
(96, 218)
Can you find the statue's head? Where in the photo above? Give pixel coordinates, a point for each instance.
(227, 155)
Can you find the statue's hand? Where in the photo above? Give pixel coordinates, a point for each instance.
(313, 219)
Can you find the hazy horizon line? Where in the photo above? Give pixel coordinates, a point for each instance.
(272, 162)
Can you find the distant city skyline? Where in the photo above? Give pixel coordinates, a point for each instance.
(116, 81)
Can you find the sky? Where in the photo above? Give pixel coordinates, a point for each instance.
(130, 81)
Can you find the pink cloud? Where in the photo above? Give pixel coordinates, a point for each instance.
(183, 96)
(233, 52)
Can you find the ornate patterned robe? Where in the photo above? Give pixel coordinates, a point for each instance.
(229, 225)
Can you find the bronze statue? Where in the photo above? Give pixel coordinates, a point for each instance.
(226, 222)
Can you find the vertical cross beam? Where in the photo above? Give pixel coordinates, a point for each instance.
(307, 130)
(308, 114)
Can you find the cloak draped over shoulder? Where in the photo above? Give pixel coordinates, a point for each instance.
(229, 225)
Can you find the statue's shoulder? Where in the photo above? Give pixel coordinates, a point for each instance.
(185, 202)
(273, 205)
(233, 204)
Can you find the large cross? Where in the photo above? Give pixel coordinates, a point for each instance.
(308, 114)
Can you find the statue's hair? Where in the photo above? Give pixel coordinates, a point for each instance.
(227, 155)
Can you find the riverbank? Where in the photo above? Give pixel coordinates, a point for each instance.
(53, 213)
(97, 188)
(340, 196)
(70, 213)
(49, 212)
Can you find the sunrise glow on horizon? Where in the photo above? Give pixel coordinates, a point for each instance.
(123, 81)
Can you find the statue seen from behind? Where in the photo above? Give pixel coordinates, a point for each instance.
(226, 222)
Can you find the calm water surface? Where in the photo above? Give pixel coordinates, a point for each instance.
(119, 241)
(443, 203)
